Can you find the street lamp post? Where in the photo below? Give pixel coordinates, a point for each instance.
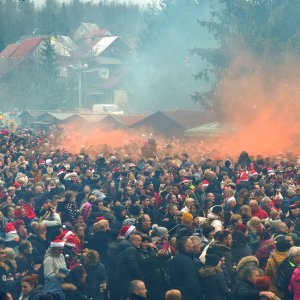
(80, 68)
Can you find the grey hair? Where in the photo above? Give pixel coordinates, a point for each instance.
(247, 273)
(293, 250)
(265, 199)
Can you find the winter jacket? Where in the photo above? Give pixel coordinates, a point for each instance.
(39, 248)
(184, 276)
(7, 282)
(240, 251)
(294, 286)
(25, 263)
(284, 274)
(53, 221)
(154, 273)
(223, 251)
(36, 293)
(253, 241)
(271, 270)
(216, 285)
(53, 264)
(245, 290)
(99, 242)
(73, 292)
(96, 275)
(128, 267)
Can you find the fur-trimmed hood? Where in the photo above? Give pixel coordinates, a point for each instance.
(247, 261)
(70, 287)
(208, 271)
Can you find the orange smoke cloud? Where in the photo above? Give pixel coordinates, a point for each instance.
(262, 102)
(259, 100)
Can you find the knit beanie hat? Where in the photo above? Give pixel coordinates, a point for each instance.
(159, 231)
(187, 217)
(212, 259)
(129, 222)
(216, 209)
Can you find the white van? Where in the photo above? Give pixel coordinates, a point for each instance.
(112, 109)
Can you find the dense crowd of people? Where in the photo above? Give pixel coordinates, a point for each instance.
(136, 222)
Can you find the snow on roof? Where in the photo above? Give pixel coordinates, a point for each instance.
(101, 46)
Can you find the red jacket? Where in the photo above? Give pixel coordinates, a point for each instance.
(294, 286)
(260, 213)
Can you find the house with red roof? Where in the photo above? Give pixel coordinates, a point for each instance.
(15, 54)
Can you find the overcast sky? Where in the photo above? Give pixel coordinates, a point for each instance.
(142, 2)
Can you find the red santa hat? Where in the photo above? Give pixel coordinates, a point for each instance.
(60, 171)
(253, 172)
(205, 183)
(19, 223)
(184, 180)
(126, 231)
(71, 241)
(243, 177)
(57, 244)
(270, 171)
(100, 219)
(41, 162)
(17, 185)
(64, 234)
(10, 232)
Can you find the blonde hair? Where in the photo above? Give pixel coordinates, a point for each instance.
(92, 258)
(245, 210)
(173, 295)
(189, 202)
(253, 222)
(234, 218)
(101, 226)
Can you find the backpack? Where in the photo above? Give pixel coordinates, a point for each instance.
(284, 274)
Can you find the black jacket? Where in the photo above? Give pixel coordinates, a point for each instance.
(216, 285)
(73, 292)
(96, 275)
(223, 251)
(99, 242)
(184, 276)
(240, 251)
(39, 248)
(245, 290)
(128, 268)
(284, 275)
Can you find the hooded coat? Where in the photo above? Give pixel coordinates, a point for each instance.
(294, 286)
(128, 268)
(39, 248)
(271, 270)
(184, 276)
(215, 283)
